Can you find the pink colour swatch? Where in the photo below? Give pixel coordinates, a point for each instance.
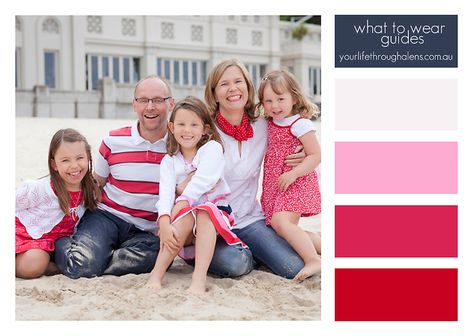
(396, 167)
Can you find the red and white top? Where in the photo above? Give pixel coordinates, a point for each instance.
(37, 207)
(209, 166)
(131, 166)
(298, 126)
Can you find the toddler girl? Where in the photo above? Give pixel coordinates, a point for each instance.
(289, 193)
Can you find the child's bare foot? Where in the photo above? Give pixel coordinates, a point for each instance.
(198, 286)
(197, 290)
(309, 269)
(153, 283)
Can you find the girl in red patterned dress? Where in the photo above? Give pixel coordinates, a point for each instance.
(49, 208)
(289, 193)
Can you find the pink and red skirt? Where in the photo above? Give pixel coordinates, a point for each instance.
(24, 242)
(222, 221)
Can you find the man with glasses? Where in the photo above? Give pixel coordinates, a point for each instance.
(119, 237)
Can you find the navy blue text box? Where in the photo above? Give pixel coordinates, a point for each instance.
(426, 41)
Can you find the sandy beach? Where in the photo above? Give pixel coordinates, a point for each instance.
(259, 295)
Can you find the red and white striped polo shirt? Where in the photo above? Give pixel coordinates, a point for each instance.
(131, 166)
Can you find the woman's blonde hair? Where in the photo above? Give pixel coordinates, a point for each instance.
(197, 106)
(90, 190)
(214, 77)
(282, 81)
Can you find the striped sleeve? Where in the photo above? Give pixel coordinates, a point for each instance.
(101, 165)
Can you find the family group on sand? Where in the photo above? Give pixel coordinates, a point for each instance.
(181, 180)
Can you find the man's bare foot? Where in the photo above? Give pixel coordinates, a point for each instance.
(309, 269)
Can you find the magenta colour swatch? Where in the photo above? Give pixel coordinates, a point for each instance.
(396, 167)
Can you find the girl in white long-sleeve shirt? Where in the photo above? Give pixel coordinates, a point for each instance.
(188, 224)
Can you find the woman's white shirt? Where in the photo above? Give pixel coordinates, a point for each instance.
(242, 173)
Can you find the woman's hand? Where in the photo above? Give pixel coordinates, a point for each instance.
(286, 179)
(295, 159)
(181, 186)
(213, 189)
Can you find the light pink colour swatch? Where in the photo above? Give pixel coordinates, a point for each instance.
(396, 167)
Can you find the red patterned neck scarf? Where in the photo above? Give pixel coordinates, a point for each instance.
(241, 132)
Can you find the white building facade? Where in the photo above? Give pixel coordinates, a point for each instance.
(87, 66)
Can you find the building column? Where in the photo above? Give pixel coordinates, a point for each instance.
(148, 65)
(42, 101)
(275, 53)
(78, 52)
(30, 73)
(214, 55)
(108, 90)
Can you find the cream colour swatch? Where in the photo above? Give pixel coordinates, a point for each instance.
(396, 104)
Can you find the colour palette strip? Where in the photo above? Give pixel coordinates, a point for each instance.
(396, 231)
(396, 295)
(396, 104)
(396, 167)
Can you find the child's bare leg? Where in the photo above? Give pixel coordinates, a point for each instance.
(164, 259)
(316, 239)
(205, 245)
(165, 256)
(285, 224)
(31, 264)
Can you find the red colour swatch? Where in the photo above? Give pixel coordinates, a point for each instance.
(396, 294)
(396, 231)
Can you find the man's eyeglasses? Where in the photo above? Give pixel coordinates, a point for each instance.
(155, 101)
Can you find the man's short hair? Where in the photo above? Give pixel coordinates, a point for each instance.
(152, 76)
